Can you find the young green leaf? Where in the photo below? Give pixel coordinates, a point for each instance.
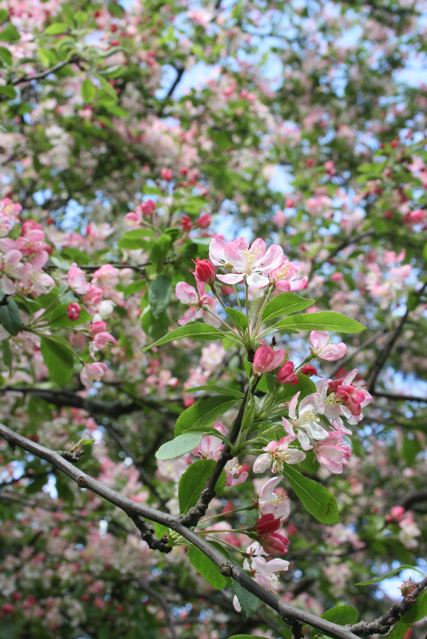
(179, 446)
(323, 321)
(342, 614)
(207, 568)
(192, 483)
(59, 359)
(193, 330)
(238, 319)
(248, 602)
(318, 501)
(10, 317)
(387, 575)
(285, 304)
(203, 413)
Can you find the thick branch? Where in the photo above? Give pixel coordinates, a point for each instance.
(382, 625)
(139, 512)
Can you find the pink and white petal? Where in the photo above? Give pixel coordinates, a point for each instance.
(318, 340)
(333, 352)
(190, 315)
(230, 278)
(271, 260)
(234, 254)
(216, 251)
(295, 456)
(262, 463)
(258, 248)
(186, 294)
(256, 280)
(293, 405)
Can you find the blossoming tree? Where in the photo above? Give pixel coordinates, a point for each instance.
(212, 311)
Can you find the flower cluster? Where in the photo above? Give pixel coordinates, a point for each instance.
(22, 260)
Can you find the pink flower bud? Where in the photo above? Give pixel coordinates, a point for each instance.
(309, 370)
(186, 223)
(73, 311)
(267, 358)
(204, 221)
(266, 524)
(286, 374)
(205, 271)
(166, 174)
(148, 207)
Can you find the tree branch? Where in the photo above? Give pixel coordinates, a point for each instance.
(382, 625)
(139, 512)
(384, 354)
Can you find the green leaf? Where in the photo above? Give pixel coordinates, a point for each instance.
(323, 321)
(285, 304)
(5, 56)
(246, 637)
(88, 90)
(398, 631)
(193, 330)
(7, 353)
(9, 34)
(219, 390)
(56, 28)
(8, 91)
(159, 250)
(3, 15)
(159, 294)
(342, 614)
(207, 568)
(134, 240)
(59, 359)
(192, 483)
(10, 317)
(203, 413)
(388, 574)
(318, 501)
(178, 446)
(418, 610)
(238, 319)
(248, 602)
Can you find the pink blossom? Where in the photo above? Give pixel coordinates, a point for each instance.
(210, 447)
(76, 279)
(277, 454)
(93, 295)
(93, 372)
(236, 473)
(196, 298)
(251, 264)
(344, 398)
(287, 276)
(333, 453)
(274, 499)
(305, 424)
(100, 341)
(263, 571)
(9, 215)
(166, 174)
(273, 542)
(324, 349)
(267, 358)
